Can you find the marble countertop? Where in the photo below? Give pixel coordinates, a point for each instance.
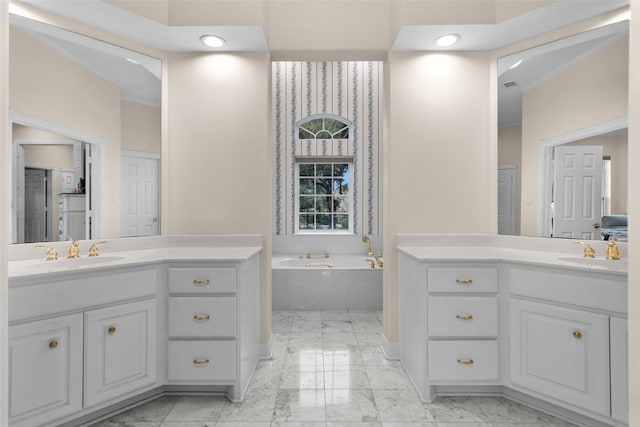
(524, 250)
(117, 253)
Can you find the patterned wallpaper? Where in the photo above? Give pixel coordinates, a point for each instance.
(350, 89)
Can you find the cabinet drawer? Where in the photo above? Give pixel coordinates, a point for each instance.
(202, 317)
(461, 279)
(202, 361)
(463, 316)
(202, 280)
(463, 361)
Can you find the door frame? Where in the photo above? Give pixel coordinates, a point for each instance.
(97, 145)
(545, 165)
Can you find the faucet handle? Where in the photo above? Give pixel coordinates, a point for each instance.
(612, 249)
(93, 250)
(73, 250)
(589, 252)
(52, 254)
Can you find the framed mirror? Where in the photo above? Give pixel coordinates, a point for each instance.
(86, 136)
(562, 144)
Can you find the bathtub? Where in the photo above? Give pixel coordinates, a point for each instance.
(337, 282)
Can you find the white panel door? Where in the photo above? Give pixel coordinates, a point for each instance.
(578, 192)
(140, 197)
(507, 200)
(35, 205)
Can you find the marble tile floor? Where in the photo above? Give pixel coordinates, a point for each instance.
(328, 370)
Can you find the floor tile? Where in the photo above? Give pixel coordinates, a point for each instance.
(400, 405)
(351, 405)
(257, 406)
(197, 408)
(266, 375)
(155, 410)
(303, 376)
(346, 377)
(389, 377)
(299, 405)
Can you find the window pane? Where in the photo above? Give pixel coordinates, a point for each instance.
(341, 204)
(306, 222)
(341, 169)
(341, 222)
(324, 169)
(307, 204)
(323, 204)
(306, 185)
(323, 222)
(323, 186)
(340, 186)
(307, 169)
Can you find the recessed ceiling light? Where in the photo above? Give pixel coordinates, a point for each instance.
(516, 64)
(133, 61)
(447, 40)
(213, 41)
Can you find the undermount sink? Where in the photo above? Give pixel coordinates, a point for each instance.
(72, 263)
(599, 262)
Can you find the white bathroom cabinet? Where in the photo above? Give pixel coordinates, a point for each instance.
(45, 370)
(120, 350)
(550, 336)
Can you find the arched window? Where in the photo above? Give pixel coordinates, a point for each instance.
(324, 127)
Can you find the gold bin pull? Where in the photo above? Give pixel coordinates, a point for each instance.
(465, 361)
(53, 344)
(324, 255)
(201, 317)
(201, 282)
(577, 334)
(464, 281)
(200, 362)
(318, 264)
(111, 330)
(464, 317)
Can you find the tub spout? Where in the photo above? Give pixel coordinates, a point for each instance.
(366, 240)
(378, 257)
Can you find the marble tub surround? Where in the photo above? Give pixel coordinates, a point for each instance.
(564, 253)
(328, 371)
(27, 260)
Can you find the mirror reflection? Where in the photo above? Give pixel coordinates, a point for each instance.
(86, 136)
(562, 137)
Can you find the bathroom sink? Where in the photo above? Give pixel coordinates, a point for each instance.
(72, 263)
(611, 264)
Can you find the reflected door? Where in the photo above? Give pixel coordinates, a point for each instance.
(140, 196)
(578, 192)
(35, 205)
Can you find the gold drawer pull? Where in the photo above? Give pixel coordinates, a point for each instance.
(201, 282)
(201, 317)
(464, 281)
(465, 361)
(200, 362)
(111, 330)
(323, 255)
(577, 334)
(464, 317)
(53, 344)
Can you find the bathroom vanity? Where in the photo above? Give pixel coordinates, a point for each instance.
(539, 324)
(92, 335)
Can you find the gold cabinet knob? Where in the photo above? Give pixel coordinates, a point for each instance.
(53, 344)
(464, 317)
(577, 334)
(201, 282)
(201, 317)
(465, 361)
(200, 362)
(464, 281)
(111, 330)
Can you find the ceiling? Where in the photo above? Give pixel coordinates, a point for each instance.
(142, 82)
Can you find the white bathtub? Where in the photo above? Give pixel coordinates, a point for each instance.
(340, 282)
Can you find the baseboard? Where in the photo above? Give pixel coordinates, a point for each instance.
(390, 350)
(266, 349)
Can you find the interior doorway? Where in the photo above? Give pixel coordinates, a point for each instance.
(38, 212)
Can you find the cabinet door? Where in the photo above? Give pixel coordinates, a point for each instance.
(561, 353)
(619, 370)
(120, 350)
(45, 370)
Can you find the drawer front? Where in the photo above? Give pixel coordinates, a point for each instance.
(463, 316)
(461, 279)
(202, 316)
(202, 280)
(463, 361)
(202, 361)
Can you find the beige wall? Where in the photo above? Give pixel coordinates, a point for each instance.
(510, 154)
(440, 176)
(218, 160)
(141, 128)
(593, 91)
(5, 185)
(47, 85)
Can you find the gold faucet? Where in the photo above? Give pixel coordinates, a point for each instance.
(52, 254)
(73, 250)
(588, 250)
(366, 240)
(612, 249)
(378, 257)
(372, 264)
(93, 250)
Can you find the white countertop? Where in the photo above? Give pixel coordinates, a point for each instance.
(522, 250)
(140, 251)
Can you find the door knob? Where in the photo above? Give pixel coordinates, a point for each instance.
(155, 220)
(596, 225)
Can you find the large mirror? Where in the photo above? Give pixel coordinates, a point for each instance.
(562, 137)
(86, 140)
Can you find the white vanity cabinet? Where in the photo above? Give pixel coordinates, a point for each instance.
(45, 370)
(120, 350)
(213, 326)
(618, 335)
